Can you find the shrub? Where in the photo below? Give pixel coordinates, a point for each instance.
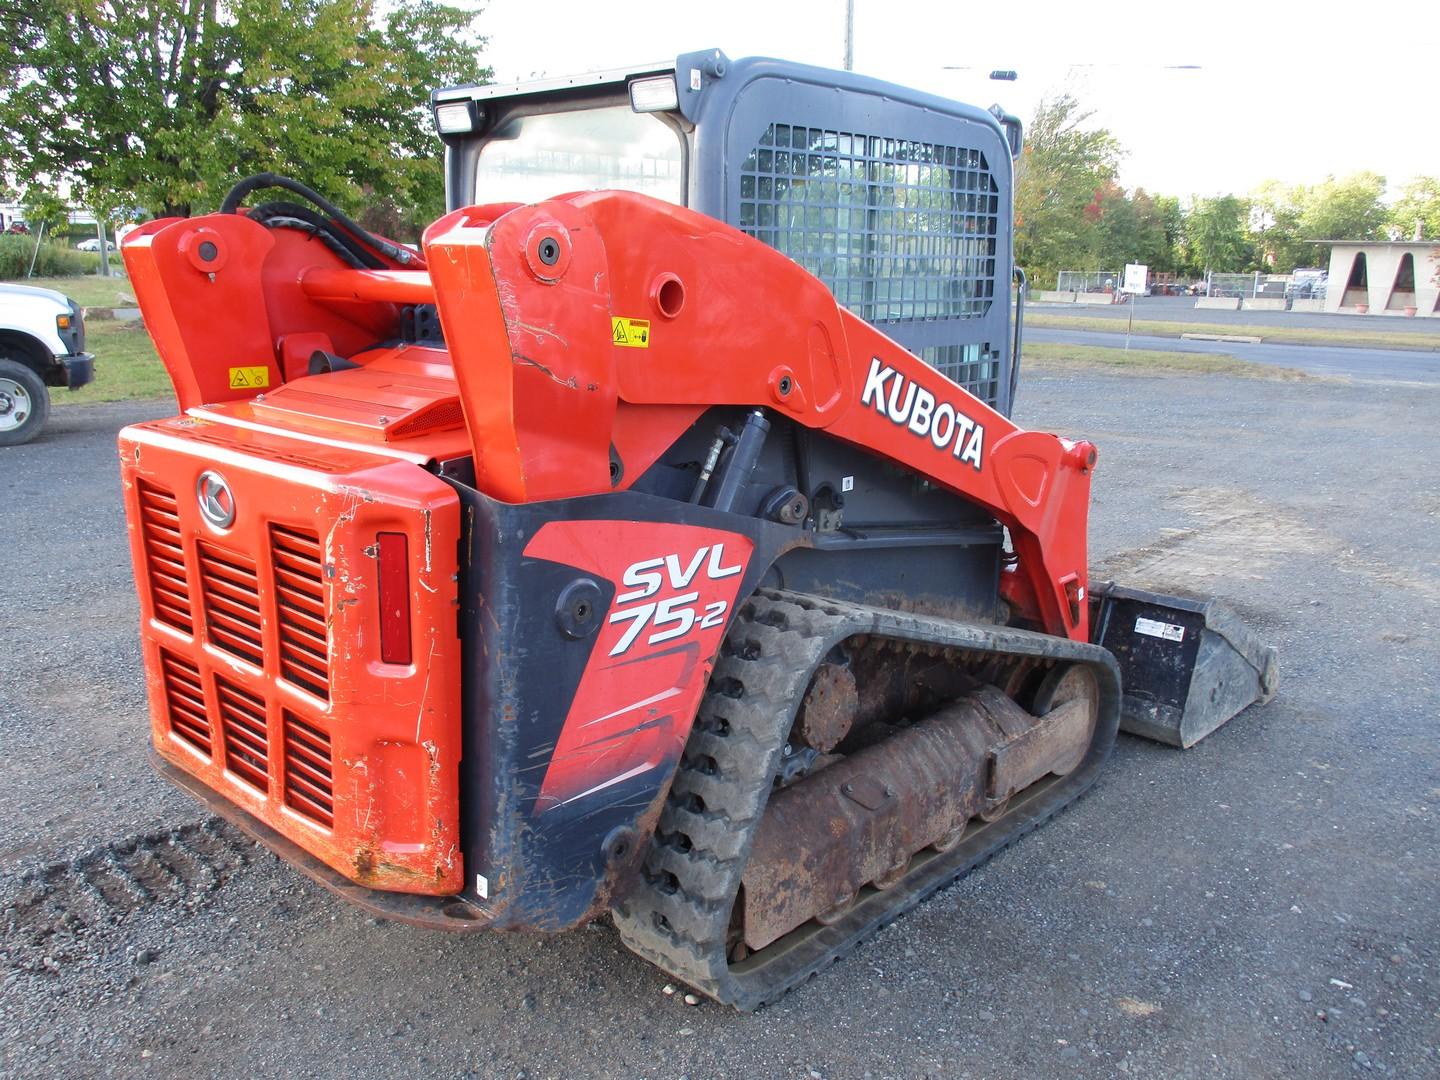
(52, 261)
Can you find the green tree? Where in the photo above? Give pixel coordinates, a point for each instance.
(1114, 228)
(164, 103)
(1351, 208)
(1276, 213)
(1170, 216)
(1152, 244)
(1418, 205)
(44, 207)
(1062, 169)
(1127, 226)
(1215, 234)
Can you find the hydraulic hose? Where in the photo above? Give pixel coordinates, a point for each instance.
(288, 215)
(267, 180)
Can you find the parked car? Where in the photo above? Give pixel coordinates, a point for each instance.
(93, 244)
(42, 344)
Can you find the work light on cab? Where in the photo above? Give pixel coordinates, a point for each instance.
(654, 95)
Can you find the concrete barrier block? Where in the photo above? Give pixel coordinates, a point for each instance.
(1308, 304)
(1263, 303)
(1052, 296)
(1218, 303)
(1094, 298)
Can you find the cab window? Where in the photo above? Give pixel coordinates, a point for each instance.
(534, 157)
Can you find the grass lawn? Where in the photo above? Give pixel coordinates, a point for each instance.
(126, 365)
(88, 290)
(1044, 356)
(1279, 335)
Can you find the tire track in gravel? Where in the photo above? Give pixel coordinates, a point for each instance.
(50, 908)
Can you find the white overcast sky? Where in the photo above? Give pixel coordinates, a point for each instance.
(1293, 90)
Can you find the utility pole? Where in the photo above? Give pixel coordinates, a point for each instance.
(849, 35)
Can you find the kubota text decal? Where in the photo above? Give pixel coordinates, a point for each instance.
(918, 410)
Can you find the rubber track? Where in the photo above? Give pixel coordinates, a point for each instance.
(180, 866)
(678, 916)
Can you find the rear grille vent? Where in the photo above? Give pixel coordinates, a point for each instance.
(247, 740)
(300, 608)
(164, 556)
(308, 778)
(232, 602)
(185, 701)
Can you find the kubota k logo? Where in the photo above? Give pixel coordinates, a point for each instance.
(217, 501)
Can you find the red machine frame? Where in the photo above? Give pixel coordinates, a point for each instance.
(579, 327)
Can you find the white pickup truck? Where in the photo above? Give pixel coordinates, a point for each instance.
(42, 344)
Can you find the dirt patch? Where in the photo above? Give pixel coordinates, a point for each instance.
(1135, 1007)
(1398, 577)
(1236, 537)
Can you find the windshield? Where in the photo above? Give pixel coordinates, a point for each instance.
(531, 158)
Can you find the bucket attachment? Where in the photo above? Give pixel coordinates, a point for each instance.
(1187, 666)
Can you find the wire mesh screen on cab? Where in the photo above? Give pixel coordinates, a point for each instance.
(901, 231)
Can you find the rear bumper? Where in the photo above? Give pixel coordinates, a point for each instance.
(429, 912)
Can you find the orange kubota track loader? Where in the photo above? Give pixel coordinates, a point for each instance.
(605, 556)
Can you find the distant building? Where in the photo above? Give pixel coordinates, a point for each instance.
(1390, 277)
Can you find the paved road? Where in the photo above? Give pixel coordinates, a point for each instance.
(1261, 906)
(1182, 309)
(1390, 365)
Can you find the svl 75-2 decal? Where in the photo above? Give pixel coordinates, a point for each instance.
(674, 615)
(675, 590)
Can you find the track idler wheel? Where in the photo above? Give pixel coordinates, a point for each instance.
(1070, 683)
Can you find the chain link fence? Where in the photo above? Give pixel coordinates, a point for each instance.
(1088, 281)
(1249, 286)
(1305, 285)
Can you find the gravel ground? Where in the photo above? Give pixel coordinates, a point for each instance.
(1261, 905)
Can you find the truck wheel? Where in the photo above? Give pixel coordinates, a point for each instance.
(24, 403)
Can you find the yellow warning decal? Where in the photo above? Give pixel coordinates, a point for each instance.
(631, 333)
(249, 378)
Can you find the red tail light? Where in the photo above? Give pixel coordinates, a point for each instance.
(394, 559)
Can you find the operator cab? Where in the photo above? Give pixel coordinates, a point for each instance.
(901, 202)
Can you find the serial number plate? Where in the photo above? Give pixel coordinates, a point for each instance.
(1154, 628)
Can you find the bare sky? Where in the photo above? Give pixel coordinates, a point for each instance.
(1292, 91)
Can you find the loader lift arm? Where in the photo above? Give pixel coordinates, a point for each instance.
(530, 299)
